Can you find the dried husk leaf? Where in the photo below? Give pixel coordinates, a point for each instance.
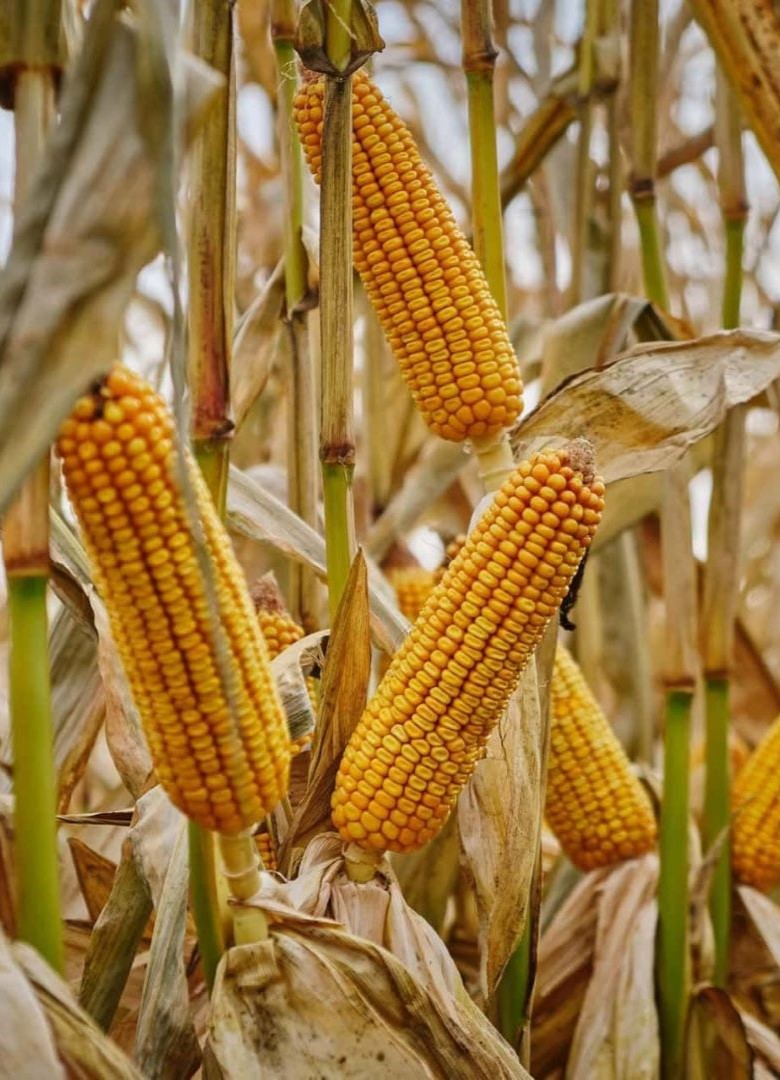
(166, 1045)
(83, 1048)
(343, 693)
(320, 1001)
(124, 734)
(745, 34)
(428, 877)
(716, 1038)
(310, 43)
(255, 345)
(26, 1044)
(644, 409)
(499, 820)
(762, 1041)
(635, 1024)
(81, 236)
(766, 918)
(627, 891)
(78, 702)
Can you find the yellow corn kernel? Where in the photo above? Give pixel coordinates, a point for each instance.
(421, 275)
(413, 585)
(423, 732)
(266, 847)
(755, 805)
(222, 758)
(596, 807)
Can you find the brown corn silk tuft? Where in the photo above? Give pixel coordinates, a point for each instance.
(426, 728)
(597, 808)
(118, 450)
(755, 804)
(422, 277)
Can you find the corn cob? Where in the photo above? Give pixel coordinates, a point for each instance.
(420, 273)
(412, 586)
(596, 807)
(423, 732)
(280, 630)
(266, 847)
(118, 450)
(755, 804)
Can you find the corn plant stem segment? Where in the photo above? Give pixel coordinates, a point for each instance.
(672, 950)
(205, 901)
(35, 782)
(716, 818)
(337, 436)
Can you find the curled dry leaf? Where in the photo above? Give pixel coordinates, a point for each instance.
(26, 1044)
(643, 410)
(499, 820)
(716, 1039)
(766, 918)
(82, 1047)
(83, 233)
(314, 999)
(124, 735)
(95, 873)
(255, 344)
(612, 1033)
(165, 1042)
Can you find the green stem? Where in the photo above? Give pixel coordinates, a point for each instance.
(35, 780)
(339, 528)
(513, 1011)
(732, 291)
(213, 458)
(486, 192)
(652, 259)
(672, 958)
(716, 818)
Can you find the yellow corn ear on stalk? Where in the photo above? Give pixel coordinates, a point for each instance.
(596, 807)
(266, 847)
(422, 277)
(423, 732)
(280, 630)
(224, 768)
(755, 804)
(412, 586)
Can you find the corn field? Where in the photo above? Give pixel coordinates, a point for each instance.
(389, 639)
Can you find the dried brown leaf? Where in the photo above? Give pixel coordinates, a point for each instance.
(428, 877)
(627, 891)
(499, 821)
(84, 1050)
(165, 1044)
(325, 1003)
(78, 702)
(716, 1040)
(26, 1044)
(124, 734)
(255, 345)
(95, 874)
(643, 410)
(766, 918)
(85, 230)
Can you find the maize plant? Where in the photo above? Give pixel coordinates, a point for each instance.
(358, 661)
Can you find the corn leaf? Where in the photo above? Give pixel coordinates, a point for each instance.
(27, 1046)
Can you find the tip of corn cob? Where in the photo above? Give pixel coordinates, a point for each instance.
(427, 726)
(755, 805)
(595, 805)
(419, 271)
(216, 731)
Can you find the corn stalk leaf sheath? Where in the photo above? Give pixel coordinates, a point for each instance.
(83, 233)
